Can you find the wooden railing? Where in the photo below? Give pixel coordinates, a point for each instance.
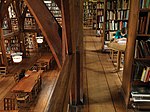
(60, 97)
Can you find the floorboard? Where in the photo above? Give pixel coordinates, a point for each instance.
(102, 85)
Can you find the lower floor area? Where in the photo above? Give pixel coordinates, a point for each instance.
(101, 83)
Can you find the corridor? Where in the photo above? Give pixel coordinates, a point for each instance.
(102, 85)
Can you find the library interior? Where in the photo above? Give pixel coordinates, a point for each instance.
(74, 55)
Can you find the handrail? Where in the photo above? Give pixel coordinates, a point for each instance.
(60, 97)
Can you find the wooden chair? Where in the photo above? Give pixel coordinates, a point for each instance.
(10, 104)
(35, 90)
(16, 77)
(3, 70)
(23, 99)
(37, 87)
(43, 66)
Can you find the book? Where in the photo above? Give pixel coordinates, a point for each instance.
(141, 99)
(140, 90)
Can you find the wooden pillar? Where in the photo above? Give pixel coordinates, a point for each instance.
(81, 49)
(3, 49)
(77, 37)
(129, 53)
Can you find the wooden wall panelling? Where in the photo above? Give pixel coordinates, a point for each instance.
(48, 26)
(129, 53)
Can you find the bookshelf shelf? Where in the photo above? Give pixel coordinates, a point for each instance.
(143, 35)
(139, 83)
(145, 10)
(89, 15)
(136, 73)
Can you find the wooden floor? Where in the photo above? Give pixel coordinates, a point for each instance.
(102, 85)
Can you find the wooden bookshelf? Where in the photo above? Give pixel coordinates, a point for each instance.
(137, 55)
(100, 17)
(116, 17)
(94, 15)
(30, 42)
(88, 14)
(30, 22)
(12, 42)
(52, 6)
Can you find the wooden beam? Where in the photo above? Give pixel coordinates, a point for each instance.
(67, 21)
(48, 26)
(4, 58)
(64, 36)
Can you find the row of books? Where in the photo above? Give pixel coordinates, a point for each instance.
(99, 25)
(141, 71)
(115, 25)
(100, 13)
(117, 15)
(100, 0)
(87, 3)
(14, 24)
(118, 4)
(144, 23)
(142, 49)
(100, 19)
(145, 74)
(140, 94)
(100, 5)
(144, 3)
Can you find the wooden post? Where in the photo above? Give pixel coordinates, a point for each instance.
(81, 49)
(129, 53)
(2, 43)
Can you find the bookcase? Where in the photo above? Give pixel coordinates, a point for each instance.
(30, 22)
(12, 43)
(136, 73)
(30, 42)
(88, 14)
(116, 17)
(52, 6)
(94, 15)
(100, 17)
(14, 24)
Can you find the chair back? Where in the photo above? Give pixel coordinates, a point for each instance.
(16, 77)
(9, 103)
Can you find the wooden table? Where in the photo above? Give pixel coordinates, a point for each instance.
(120, 48)
(47, 59)
(26, 84)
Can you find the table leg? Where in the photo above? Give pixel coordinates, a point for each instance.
(118, 60)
